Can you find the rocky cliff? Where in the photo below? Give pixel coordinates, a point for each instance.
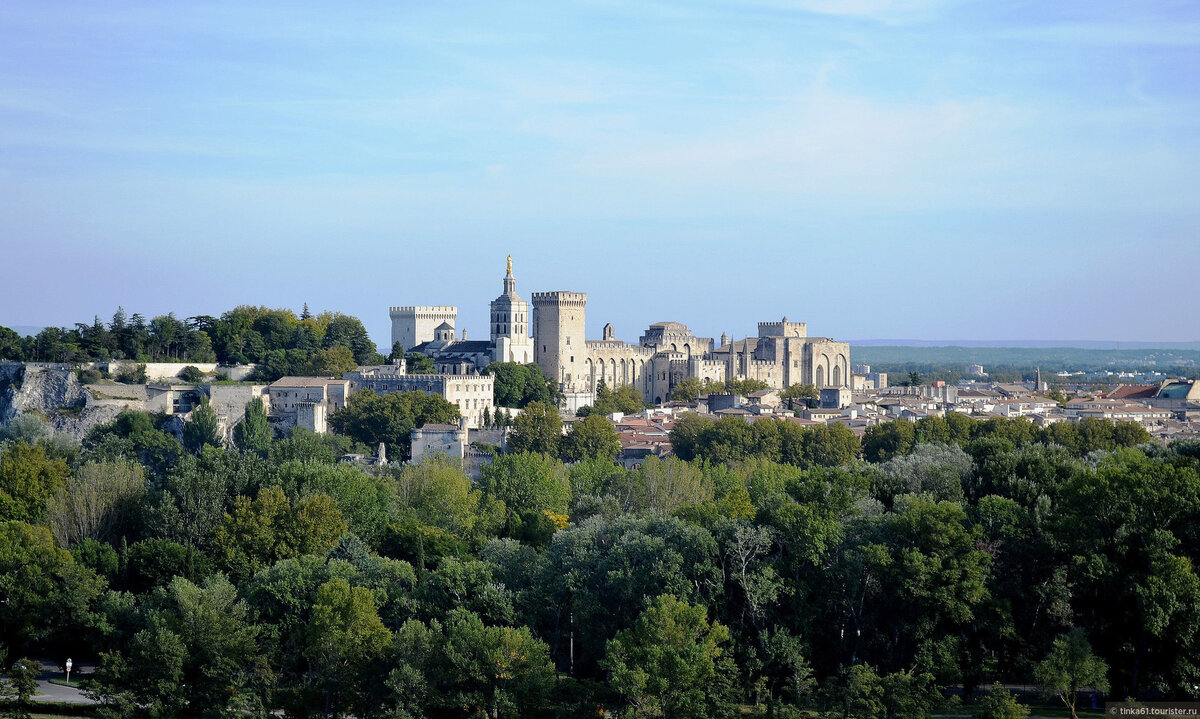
(53, 394)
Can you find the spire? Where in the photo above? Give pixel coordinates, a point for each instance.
(510, 284)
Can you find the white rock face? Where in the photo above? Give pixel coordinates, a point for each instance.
(53, 395)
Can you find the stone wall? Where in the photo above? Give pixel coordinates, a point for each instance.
(412, 325)
(156, 370)
(229, 402)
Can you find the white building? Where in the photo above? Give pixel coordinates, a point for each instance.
(473, 394)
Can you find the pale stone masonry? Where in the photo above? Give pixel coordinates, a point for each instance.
(473, 394)
(307, 401)
(510, 324)
(413, 325)
(559, 345)
(782, 353)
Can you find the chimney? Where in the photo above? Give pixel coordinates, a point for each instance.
(464, 339)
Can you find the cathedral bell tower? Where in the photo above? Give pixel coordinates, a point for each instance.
(510, 323)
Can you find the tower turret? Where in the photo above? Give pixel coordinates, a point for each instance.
(509, 323)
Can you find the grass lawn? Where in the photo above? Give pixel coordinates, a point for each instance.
(75, 683)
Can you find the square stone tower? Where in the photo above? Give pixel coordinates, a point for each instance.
(413, 325)
(558, 337)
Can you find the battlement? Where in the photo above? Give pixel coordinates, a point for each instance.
(423, 308)
(782, 329)
(559, 297)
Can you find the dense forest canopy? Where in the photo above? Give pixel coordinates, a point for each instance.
(766, 568)
(279, 341)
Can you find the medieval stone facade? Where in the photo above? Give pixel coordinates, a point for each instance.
(782, 353)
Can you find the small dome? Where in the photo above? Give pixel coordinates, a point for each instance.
(444, 327)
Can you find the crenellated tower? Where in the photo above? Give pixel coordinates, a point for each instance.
(559, 346)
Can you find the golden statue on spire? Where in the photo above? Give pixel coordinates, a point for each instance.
(510, 264)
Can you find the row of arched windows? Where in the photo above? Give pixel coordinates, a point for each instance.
(616, 372)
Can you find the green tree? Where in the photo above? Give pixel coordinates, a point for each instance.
(22, 686)
(417, 363)
(133, 435)
(833, 445)
(1001, 704)
(883, 441)
(390, 418)
(103, 501)
(671, 484)
(593, 437)
(440, 494)
(348, 332)
(668, 664)
(197, 491)
(1129, 529)
(517, 385)
(799, 391)
(860, 693)
(331, 362)
(496, 672)
(625, 399)
(367, 501)
(49, 599)
(732, 439)
(345, 638)
(537, 429)
(528, 482)
(687, 390)
(10, 345)
(863, 694)
(744, 386)
(253, 433)
(687, 433)
(197, 656)
(191, 374)
(925, 574)
(1069, 667)
(28, 479)
(202, 429)
(153, 563)
(261, 532)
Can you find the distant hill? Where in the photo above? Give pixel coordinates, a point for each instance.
(1051, 358)
(1031, 344)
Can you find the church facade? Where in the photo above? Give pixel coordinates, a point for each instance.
(550, 330)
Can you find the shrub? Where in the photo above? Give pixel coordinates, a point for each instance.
(191, 375)
(132, 375)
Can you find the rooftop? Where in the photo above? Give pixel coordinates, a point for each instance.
(307, 382)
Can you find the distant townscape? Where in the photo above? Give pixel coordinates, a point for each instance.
(306, 368)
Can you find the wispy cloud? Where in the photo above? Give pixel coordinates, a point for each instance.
(1113, 34)
(886, 11)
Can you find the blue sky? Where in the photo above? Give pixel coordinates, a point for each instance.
(878, 168)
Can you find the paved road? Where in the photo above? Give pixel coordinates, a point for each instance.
(48, 692)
